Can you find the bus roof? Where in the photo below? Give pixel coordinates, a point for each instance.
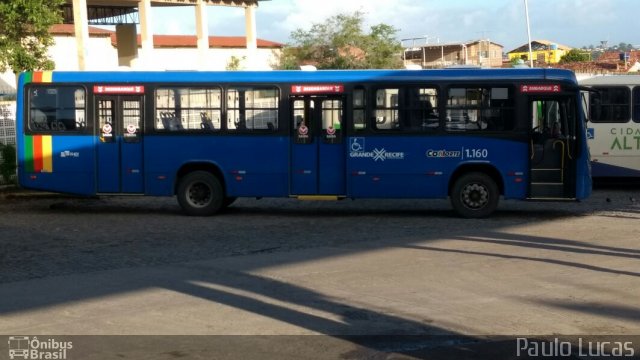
(612, 80)
(297, 76)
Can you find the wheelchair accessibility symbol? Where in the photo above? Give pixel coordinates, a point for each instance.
(591, 134)
(357, 144)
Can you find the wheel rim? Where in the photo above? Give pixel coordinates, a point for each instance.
(475, 196)
(199, 195)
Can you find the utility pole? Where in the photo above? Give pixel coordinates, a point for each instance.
(526, 11)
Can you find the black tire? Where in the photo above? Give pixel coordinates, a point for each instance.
(200, 193)
(475, 195)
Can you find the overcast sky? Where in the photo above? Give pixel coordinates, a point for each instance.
(575, 23)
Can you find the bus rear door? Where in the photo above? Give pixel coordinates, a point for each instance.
(317, 145)
(120, 143)
(553, 143)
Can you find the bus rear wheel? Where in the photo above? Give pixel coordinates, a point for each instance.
(200, 193)
(475, 195)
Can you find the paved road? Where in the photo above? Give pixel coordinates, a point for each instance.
(278, 266)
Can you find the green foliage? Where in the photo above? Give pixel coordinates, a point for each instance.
(7, 162)
(24, 33)
(235, 63)
(575, 55)
(516, 61)
(340, 43)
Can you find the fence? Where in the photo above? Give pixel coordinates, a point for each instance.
(7, 130)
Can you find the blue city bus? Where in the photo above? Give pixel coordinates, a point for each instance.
(472, 135)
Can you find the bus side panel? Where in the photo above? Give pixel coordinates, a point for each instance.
(615, 148)
(59, 163)
(421, 167)
(252, 165)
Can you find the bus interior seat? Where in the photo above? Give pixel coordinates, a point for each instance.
(240, 124)
(270, 126)
(206, 123)
(170, 121)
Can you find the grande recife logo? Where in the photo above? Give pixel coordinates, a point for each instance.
(358, 151)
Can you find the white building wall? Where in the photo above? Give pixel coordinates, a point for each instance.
(101, 55)
(216, 59)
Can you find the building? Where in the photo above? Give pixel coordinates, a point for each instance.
(544, 52)
(482, 53)
(171, 52)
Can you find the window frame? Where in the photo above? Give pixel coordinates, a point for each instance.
(627, 106)
(397, 109)
(362, 108)
(202, 129)
(406, 115)
(405, 108)
(635, 104)
(483, 107)
(27, 107)
(254, 87)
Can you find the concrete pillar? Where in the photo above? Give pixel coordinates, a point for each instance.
(250, 28)
(127, 39)
(146, 32)
(80, 24)
(202, 32)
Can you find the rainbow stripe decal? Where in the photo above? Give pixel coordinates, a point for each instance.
(38, 154)
(38, 77)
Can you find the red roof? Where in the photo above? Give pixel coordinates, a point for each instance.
(614, 56)
(190, 41)
(170, 41)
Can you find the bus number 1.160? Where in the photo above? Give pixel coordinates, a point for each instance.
(476, 153)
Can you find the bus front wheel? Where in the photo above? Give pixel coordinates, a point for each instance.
(200, 193)
(475, 195)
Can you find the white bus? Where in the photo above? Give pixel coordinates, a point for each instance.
(613, 129)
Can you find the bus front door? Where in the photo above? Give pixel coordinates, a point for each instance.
(120, 151)
(317, 146)
(553, 150)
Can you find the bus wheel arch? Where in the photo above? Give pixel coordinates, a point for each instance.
(200, 189)
(475, 190)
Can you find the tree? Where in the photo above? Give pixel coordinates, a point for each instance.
(24, 33)
(575, 55)
(7, 162)
(340, 43)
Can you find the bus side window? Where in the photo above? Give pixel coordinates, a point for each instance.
(188, 109)
(480, 109)
(56, 108)
(610, 105)
(359, 103)
(421, 109)
(251, 109)
(387, 113)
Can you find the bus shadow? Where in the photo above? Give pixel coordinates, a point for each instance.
(294, 208)
(613, 311)
(552, 245)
